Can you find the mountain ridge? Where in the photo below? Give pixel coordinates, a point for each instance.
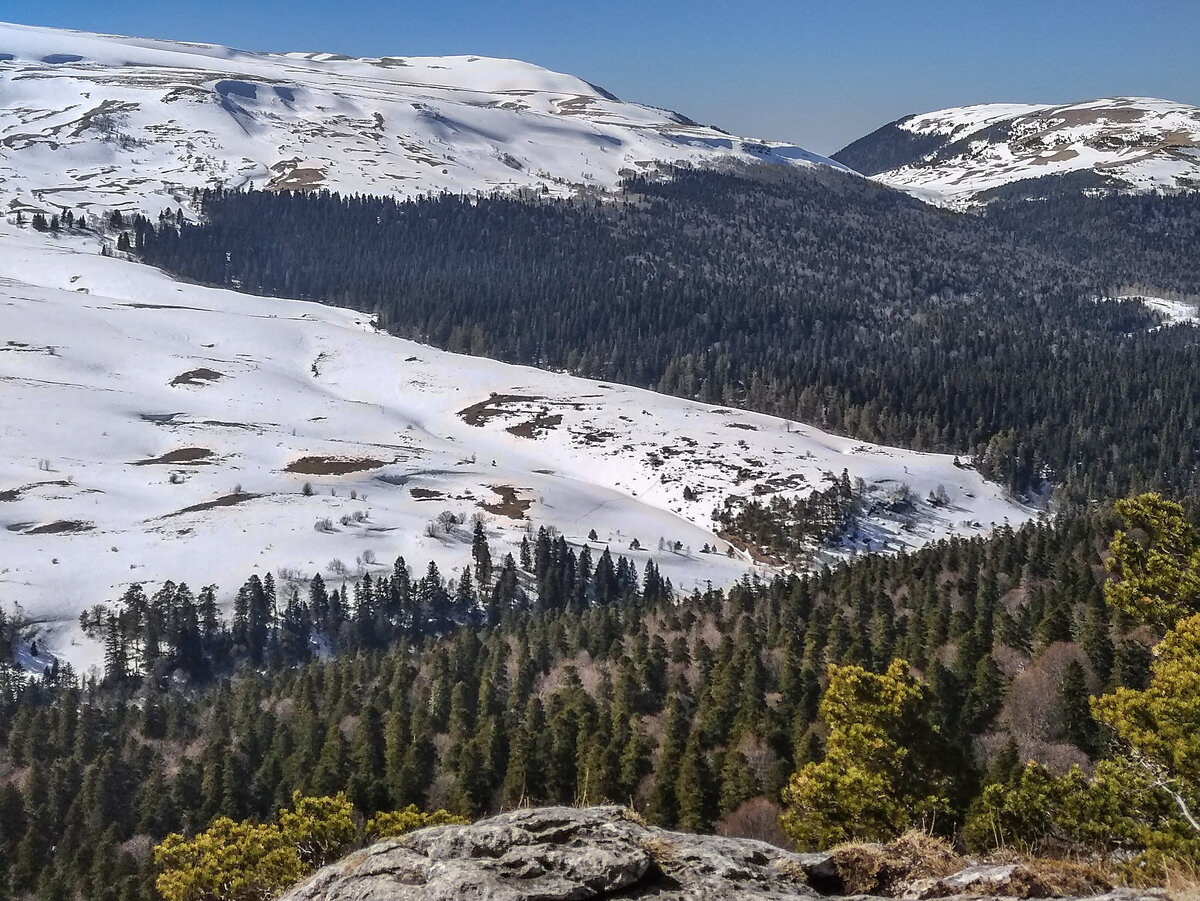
(109, 122)
(956, 156)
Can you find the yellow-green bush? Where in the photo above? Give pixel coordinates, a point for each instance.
(398, 822)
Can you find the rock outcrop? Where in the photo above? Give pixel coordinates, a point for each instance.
(568, 854)
(564, 854)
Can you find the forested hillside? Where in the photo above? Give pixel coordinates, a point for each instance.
(815, 296)
(562, 677)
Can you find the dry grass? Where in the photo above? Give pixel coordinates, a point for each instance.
(888, 869)
(1182, 881)
(1037, 877)
(632, 816)
(660, 849)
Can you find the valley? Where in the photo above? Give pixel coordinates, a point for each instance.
(157, 430)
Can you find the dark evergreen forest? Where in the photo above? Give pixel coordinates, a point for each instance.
(811, 295)
(567, 678)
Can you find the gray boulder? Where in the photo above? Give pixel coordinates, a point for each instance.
(563, 854)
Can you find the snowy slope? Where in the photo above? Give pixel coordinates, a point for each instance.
(102, 121)
(151, 429)
(954, 155)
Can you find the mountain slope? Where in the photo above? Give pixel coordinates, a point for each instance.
(957, 155)
(99, 120)
(168, 430)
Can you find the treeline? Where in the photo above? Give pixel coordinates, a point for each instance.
(176, 633)
(813, 295)
(694, 710)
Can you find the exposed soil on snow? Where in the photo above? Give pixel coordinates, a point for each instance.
(426, 494)
(228, 500)
(182, 455)
(194, 377)
(14, 494)
(510, 504)
(331, 466)
(533, 428)
(478, 414)
(61, 527)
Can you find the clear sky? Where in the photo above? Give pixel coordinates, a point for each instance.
(819, 74)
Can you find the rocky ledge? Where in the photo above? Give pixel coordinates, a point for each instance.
(568, 854)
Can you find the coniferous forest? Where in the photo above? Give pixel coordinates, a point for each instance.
(1014, 691)
(816, 296)
(570, 681)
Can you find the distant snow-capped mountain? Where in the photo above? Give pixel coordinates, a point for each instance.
(957, 156)
(103, 121)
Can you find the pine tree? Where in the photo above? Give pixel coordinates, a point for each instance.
(482, 556)
(694, 789)
(330, 775)
(367, 787)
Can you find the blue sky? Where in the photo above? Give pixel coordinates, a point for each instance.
(819, 74)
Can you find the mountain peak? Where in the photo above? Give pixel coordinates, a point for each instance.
(962, 155)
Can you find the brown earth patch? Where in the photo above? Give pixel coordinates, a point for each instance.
(228, 500)
(14, 494)
(182, 455)
(1060, 157)
(291, 176)
(298, 180)
(510, 505)
(1123, 115)
(61, 527)
(331, 466)
(200, 376)
(478, 414)
(533, 428)
(425, 494)
(595, 437)
(741, 425)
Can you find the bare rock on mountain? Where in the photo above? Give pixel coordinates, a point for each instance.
(563, 853)
(567, 854)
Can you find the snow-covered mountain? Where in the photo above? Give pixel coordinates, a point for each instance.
(92, 120)
(153, 429)
(956, 156)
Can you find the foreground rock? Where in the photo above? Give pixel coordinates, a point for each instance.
(566, 854)
(563, 853)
